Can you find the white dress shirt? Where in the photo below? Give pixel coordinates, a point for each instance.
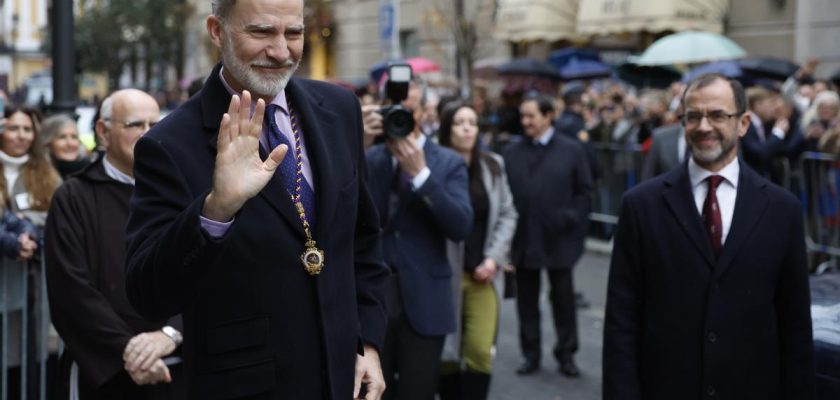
(759, 128)
(116, 174)
(726, 191)
(545, 138)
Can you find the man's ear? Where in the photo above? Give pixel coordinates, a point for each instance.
(744, 124)
(102, 133)
(214, 29)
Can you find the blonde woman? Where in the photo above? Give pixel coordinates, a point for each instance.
(61, 139)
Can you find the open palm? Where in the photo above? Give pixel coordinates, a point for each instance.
(240, 173)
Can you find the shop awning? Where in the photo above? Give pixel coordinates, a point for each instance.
(531, 20)
(603, 17)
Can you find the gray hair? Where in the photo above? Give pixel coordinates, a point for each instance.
(221, 8)
(52, 126)
(106, 110)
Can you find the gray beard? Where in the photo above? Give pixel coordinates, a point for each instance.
(264, 87)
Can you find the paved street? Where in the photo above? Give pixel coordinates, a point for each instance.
(548, 384)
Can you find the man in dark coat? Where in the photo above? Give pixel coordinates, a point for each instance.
(708, 289)
(552, 189)
(85, 268)
(667, 151)
(572, 124)
(263, 236)
(769, 136)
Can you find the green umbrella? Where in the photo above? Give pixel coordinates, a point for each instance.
(690, 48)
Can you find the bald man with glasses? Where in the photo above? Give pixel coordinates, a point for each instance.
(112, 352)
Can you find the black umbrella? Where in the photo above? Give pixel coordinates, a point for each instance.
(529, 67)
(767, 68)
(584, 69)
(647, 76)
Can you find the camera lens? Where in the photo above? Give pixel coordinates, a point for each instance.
(397, 122)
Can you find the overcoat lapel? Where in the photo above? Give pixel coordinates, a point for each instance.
(750, 204)
(680, 201)
(318, 125)
(215, 100)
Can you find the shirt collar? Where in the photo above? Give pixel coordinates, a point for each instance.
(545, 137)
(698, 174)
(279, 100)
(116, 174)
(756, 121)
(421, 140)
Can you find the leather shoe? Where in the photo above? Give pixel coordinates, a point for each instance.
(528, 367)
(569, 369)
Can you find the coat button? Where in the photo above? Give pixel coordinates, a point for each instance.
(712, 337)
(397, 234)
(711, 390)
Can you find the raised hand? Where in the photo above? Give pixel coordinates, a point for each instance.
(240, 173)
(411, 158)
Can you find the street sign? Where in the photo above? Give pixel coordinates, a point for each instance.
(386, 22)
(389, 28)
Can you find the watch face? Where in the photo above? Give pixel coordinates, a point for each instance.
(172, 333)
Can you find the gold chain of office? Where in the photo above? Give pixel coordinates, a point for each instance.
(312, 257)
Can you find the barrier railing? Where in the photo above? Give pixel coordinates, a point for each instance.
(816, 181)
(620, 166)
(819, 192)
(24, 330)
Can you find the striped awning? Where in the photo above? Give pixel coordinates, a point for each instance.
(532, 20)
(604, 17)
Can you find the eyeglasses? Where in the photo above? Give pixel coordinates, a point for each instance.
(715, 117)
(137, 124)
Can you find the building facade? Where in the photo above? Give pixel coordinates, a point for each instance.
(23, 32)
(422, 28)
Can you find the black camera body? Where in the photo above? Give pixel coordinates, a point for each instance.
(397, 121)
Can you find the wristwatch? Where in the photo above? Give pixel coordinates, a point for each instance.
(173, 334)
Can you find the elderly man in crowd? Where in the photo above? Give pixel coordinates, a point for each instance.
(112, 352)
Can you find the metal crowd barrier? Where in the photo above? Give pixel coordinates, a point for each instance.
(816, 181)
(819, 192)
(25, 329)
(620, 166)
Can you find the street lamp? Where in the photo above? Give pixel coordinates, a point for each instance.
(13, 52)
(65, 91)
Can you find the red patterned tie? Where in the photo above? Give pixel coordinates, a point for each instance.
(711, 213)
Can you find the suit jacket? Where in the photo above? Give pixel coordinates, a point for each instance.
(256, 324)
(760, 155)
(573, 125)
(414, 237)
(681, 324)
(664, 151)
(552, 191)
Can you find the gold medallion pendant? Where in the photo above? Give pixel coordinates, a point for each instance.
(312, 259)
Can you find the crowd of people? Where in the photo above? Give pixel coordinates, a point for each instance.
(283, 242)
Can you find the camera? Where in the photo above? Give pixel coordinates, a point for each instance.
(397, 121)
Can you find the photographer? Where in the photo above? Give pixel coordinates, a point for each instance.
(420, 190)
